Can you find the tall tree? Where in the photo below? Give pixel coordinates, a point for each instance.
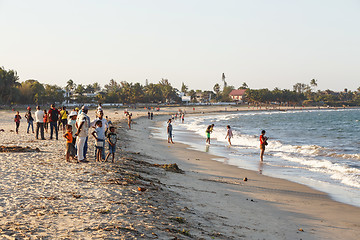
(184, 88)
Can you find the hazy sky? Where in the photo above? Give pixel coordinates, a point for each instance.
(265, 43)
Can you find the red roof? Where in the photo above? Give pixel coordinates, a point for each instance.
(239, 92)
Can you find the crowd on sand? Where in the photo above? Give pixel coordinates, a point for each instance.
(75, 126)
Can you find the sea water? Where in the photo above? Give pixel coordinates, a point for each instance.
(318, 148)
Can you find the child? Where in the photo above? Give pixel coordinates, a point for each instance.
(70, 150)
(229, 134)
(17, 121)
(111, 139)
(99, 135)
(263, 143)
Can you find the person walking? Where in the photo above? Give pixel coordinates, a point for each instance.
(30, 120)
(82, 123)
(39, 120)
(53, 114)
(229, 134)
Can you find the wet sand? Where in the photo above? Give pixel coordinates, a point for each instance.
(42, 196)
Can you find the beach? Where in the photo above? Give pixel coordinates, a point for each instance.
(139, 197)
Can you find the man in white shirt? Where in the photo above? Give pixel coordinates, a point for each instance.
(39, 120)
(83, 124)
(103, 129)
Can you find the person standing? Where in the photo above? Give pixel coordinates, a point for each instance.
(39, 120)
(64, 116)
(72, 122)
(46, 121)
(229, 134)
(263, 143)
(53, 114)
(111, 139)
(129, 120)
(103, 129)
(169, 131)
(82, 123)
(30, 120)
(17, 121)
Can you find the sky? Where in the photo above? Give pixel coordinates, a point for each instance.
(265, 43)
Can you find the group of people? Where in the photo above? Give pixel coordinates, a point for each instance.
(229, 136)
(77, 125)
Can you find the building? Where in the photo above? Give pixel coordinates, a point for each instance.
(237, 95)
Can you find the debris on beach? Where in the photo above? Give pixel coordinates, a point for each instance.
(77, 196)
(170, 167)
(141, 189)
(18, 149)
(245, 179)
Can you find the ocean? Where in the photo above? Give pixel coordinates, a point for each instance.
(318, 148)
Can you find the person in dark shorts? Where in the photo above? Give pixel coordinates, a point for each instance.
(70, 149)
(111, 139)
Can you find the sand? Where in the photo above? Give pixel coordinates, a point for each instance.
(42, 196)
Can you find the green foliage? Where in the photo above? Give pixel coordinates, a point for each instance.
(8, 86)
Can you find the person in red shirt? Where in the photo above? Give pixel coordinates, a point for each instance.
(263, 143)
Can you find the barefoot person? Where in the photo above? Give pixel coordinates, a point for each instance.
(111, 139)
(70, 149)
(229, 134)
(99, 135)
(17, 121)
(208, 131)
(169, 131)
(263, 143)
(129, 120)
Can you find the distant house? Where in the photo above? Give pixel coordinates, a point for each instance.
(237, 95)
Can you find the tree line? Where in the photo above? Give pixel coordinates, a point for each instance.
(32, 91)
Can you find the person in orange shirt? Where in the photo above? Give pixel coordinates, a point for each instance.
(70, 149)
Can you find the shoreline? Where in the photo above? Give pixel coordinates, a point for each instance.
(316, 209)
(42, 196)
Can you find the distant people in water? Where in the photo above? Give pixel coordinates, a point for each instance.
(229, 134)
(263, 143)
(169, 131)
(208, 131)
